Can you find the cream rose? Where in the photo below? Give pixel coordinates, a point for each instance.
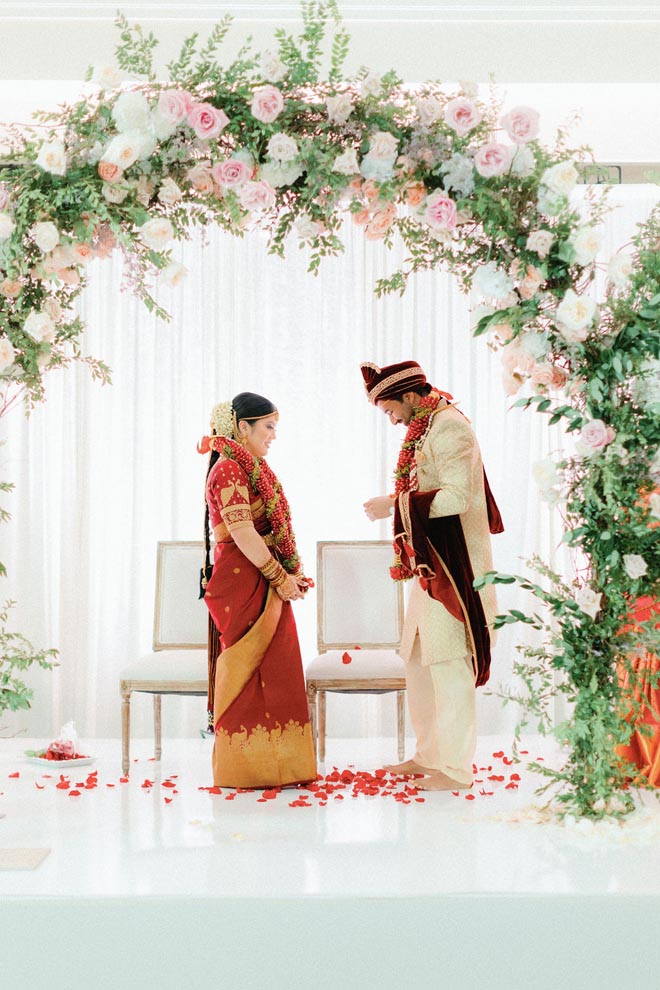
(429, 110)
(588, 601)
(279, 174)
(521, 124)
(144, 190)
(272, 68)
(654, 505)
(339, 108)
(491, 281)
(7, 226)
(492, 159)
(7, 354)
(45, 235)
(54, 309)
(596, 435)
(52, 157)
(586, 242)
(440, 211)
(131, 112)
(113, 193)
(125, 149)
(207, 121)
(106, 76)
(620, 269)
(576, 314)
(173, 274)
(561, 179)
(282, 148)
(232, 173)
(383, 146)
(267, 104)
(200, 177)
(462, 115)
(306, 228)
(156, 233)
(257, 195)
(545, 474)
(346, 163)
(40, 327)
(635, 565)
(169, 193)
(10, 288)
(371, 85)
(540, 242)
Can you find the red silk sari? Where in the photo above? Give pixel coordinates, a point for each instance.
(261, 719)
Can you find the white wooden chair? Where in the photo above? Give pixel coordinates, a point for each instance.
(178, 663)
(358, 605)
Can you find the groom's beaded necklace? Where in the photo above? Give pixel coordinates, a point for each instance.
(264, 483)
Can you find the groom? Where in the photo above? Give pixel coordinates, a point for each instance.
(444, 514)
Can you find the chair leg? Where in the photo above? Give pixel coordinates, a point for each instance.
(158, 732)
(401, 723)
(125, 731)
(321, 709)
(311, 704)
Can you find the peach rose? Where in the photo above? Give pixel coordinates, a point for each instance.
(267, 104)
(10, 289)
(521, 124)
(440, 211)
(542, 374)
(7, 354)
(82, 252)
(110, 172)
(207, 121)
(414, 193)
(511, 383)
(231, 173)
(371, 190)
(380, 222)
(200, 177)
(69, 276)
(559, 377)
(529, 285)
(257, 195)
(362, 217)
(492, 159)
(462, 115)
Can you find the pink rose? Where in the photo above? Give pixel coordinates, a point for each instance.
(232, 172)
(462, 115)
(267, 104)
(492, 159)
(521, 124)
(257, 195)
(440, 211)
(207, 121)
(174, 104)
(596, 435)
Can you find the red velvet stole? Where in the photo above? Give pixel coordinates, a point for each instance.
(435, 550)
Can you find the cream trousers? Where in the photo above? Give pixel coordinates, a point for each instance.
(442, 706)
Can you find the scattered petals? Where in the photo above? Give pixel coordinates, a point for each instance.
(346, 658)
(74, 793)
(12, 775)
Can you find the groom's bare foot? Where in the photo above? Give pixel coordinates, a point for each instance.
(437, 781)
(408, 766)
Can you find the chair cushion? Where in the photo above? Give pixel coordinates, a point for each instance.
(175, 666)
(364, 664)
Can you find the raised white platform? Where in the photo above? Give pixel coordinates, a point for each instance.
(204, 890)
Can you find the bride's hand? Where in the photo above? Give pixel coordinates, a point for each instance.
(290, 590)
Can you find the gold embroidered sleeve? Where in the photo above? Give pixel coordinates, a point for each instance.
(236, 516)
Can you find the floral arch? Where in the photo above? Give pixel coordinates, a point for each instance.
(268, 142)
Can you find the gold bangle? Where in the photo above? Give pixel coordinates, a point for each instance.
(274, 573)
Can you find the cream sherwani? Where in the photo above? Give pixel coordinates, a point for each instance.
(439, 672)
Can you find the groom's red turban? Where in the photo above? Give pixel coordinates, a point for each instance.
(393, 379)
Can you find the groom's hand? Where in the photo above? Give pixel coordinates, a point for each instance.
(379, 508)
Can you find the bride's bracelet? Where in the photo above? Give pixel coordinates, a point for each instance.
(274, 573)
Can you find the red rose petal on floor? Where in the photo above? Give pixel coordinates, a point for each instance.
(17, 774)
(357, 647)
(478, 780)
(339, 797)
(123, 780)
(147, 784)
(455, 793)
(380, 773)
(511, 787)
(486, 793)
(469, 797)
(168, 783)
(74, 793)
(523, 752)
(496, 776)
(515, 776)
(214, 790)
(539, 758)
(322, 804)
(346, 658)
(499, 755)
(420, 800)
(63, 785)
(39, 787)
(262, 801)
(507, 761)
(167, 800)
(230, 797)
(109, 785)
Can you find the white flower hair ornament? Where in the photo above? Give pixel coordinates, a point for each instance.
(222, 420)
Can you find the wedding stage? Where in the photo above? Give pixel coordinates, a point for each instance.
(157, 881)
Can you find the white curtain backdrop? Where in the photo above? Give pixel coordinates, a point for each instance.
(103, 473)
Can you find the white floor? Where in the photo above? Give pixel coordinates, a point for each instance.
(157, 884)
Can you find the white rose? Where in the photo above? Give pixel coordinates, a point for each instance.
(125, 149)
(106, 76)
(561, 178)
(492, 282)
(45, 235)
(549, 203)
(588, 601)
(586, 243)
(654, 505)
(378, 169)
(429, 110)
(545, 474)
(40, 327)
(7, 354)
(161, 126)
(459, 174)
(535, 344)
(279, 174)
(114, 193)
(371, 85)
(339, 108)
(383, 146)
(7, 225)
(173, 274)
(131, 112)
(635, 566)
(620, 269)
(157, 233)
(282, 148)
(169, 193)
(306, 228)
(523, 162)
(469, 88)
(346, 163)
(52, 158)
(540, 241)
(272, 68)
(576, 314)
